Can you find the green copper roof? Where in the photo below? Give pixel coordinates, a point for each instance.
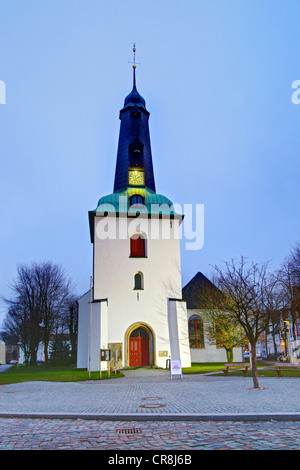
(153, 203)
(119, 203)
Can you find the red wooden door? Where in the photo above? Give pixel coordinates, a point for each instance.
(135, 356)
(139, 349)
(145, 352)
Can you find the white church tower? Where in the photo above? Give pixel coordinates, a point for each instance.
(135, 305)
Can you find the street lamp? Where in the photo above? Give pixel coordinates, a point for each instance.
(90, 326)
(19, 345)
(289, 340)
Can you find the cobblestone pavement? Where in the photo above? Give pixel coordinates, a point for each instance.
(78, 434)
(153, 395)
(147, 411)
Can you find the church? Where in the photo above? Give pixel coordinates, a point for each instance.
(135, 307)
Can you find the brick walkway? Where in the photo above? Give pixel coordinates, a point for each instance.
(53, 434)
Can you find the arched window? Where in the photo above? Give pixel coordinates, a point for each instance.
(138, 281)
(196, 332)
(137, 246)
(135, 113)
(137, 199)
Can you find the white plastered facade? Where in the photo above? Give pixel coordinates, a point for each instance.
(210, 353)
(117, 308)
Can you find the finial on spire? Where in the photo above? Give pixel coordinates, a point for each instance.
(134, 49)
(134, 63)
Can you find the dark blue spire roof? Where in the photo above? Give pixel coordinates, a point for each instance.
(134, 148)
(134, 98)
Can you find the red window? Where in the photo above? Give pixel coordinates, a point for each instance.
(196, 332)
(137, 246)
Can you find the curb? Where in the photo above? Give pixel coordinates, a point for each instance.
(159, 417)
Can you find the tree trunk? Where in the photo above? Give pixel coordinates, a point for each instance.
(46, 344)
(254, 366)
(275, 345)
(33, 354)
(229, 353)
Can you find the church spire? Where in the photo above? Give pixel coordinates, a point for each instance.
(134, 159)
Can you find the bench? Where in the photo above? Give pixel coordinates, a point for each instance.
(244, 366)
(288, 367)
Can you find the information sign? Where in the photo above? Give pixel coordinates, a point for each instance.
(105, 354)
(175, 368)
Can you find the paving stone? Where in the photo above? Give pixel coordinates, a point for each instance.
(217, 402)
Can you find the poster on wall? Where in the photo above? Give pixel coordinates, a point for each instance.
(175, 368)
(105, 354)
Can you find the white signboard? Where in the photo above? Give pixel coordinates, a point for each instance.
(175, 368)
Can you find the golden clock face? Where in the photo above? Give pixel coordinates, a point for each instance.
(136, 178)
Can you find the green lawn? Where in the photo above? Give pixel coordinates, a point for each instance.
(50, 374)
(202, 368)
(71, 374)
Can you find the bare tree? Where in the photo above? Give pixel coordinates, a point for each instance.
(53, 289)
(275, 324)
(70, 320)
(288, 277)
(23, 316)
(39, 294)
(17, 329)
(248, 297)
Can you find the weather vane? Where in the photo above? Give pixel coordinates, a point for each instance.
(134, 58)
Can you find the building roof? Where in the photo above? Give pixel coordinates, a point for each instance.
(134, 98)
(155, 205)
(121, 201)
(193, 291)
(134, 147)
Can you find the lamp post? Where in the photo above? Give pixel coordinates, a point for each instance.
(19, 344)
(291, 357)
(90, 325)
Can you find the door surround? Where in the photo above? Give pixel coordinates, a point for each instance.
(151, 336)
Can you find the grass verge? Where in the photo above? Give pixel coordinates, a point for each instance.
(42, 372)
(50, 374)
(203, 368)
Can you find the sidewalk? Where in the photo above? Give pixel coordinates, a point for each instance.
(145, 394)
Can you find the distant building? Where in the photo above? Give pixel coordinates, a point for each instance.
(12, 353)
(200, 347)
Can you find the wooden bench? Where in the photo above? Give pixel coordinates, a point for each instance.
(244, 366)
(288, 367)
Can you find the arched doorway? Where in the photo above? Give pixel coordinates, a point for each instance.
(139, 354)
(140, 346)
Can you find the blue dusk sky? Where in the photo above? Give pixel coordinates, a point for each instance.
(217, 79)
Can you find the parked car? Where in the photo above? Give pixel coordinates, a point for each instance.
(13, 362)
(258, 353)
(246, 354)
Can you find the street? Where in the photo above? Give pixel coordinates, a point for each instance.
(80, 434)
